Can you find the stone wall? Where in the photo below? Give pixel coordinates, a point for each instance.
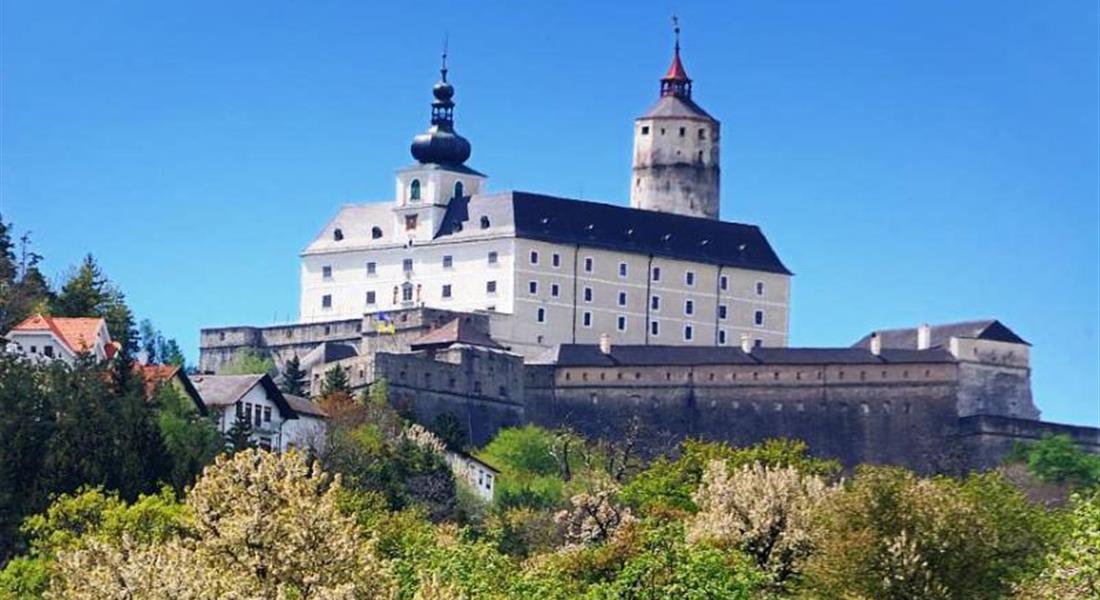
(217, 345)
(987, 439)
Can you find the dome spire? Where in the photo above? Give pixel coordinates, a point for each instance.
(440, 144)
(676, 81)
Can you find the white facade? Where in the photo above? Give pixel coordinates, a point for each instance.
(41, 338)
(271, 427)
(479, 476)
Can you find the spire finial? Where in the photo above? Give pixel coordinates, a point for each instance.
(443, 69)
(676, 31)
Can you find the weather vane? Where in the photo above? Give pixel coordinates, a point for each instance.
(443, 69)
(676, 30)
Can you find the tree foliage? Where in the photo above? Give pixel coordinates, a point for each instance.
(294, 378)
(249, 362)
(1057, 459)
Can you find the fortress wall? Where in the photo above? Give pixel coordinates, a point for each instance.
(988, 438)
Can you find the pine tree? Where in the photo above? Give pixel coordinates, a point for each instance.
(85, 294)
(336, 380)
(293, 378)
(170, 354)
(239, 435)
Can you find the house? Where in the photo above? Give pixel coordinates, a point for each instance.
(41, 337)
(173, 375)
(279, 422)
(480, 475)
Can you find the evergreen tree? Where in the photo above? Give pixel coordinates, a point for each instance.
(191, 440)
(336, 380)
(85, 293)
(7, 254)
(151, 341)
(170, 353)
(239, 435)
(293, 378)
(23, 289)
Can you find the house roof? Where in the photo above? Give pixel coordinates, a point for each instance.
(79, 334)
(460, 330)
(304, 406)
(613, 227)
(226, 390)
(986, 329)
(589, 355)
(153, 375)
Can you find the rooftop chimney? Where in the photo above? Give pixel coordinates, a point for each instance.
(605, 343)
(746, 343)
(924, 337)
(876, 343)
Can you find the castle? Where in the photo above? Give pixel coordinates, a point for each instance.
(657, 321)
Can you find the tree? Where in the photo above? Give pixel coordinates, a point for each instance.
(1073, 568)
(239, 435)
(450, 430)
(593, 518)
(191, 440)
(249, 362)
(23, 289)
(294, 378)
(335, 382)
(1057, 459)
(86, 292)
(170, 354)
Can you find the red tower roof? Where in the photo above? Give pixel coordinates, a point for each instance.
(676, 71)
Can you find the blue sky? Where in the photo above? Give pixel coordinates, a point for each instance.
(911, 161)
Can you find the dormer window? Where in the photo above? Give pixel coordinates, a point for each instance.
(414, 189)
(375, 232)
(337, 235)
(459, 190)
(484, 222)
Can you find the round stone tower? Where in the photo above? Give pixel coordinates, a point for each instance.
(676, 151)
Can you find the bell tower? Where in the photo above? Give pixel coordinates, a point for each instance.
(676, 150)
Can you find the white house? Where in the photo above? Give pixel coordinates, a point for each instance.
(42, 337)
(480, 475)
(279, 421)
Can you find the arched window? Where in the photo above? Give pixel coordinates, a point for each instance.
(375, 232)
(337, 235)
(459, 189)
(484, 222)
(414, 189)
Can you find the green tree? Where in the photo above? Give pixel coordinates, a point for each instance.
(249, 362)
(1056, 458)
(171, 354)
(335, 381)
(85, 293)
(191, 440)
(294, 378)
(1073, 568)
(451, 430)
(239, 435)
(23, 289)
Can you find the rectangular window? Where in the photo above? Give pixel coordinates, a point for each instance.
(654, 328)
(267, 414)
(371, 298)
(620, 323)
(622, 269)
(758, 318)
(683, 131)
(326, 272)
(410, 222)
(259, 417)
(490, 287)
(372, 268)
(326, 301)
(533, 287)
(588, 264)
(758, 343)
(446, 290)
(622, 298)
(540, 315)
(689, 307)
(587, 294)
(689, 278)
(689, 333)
(48, 351)
(407, 292)
(448, 261)
(492, 258)
(702, 134)
(721, 337)
(407, 265)
(723, 283)
(534, 257)
(555, 259)
(586, 319)
(655, 303)
(721, 311)
(645, 129)
(555, 290)
(656, 273)
(759, 288)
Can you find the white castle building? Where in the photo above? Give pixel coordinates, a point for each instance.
(552, 270)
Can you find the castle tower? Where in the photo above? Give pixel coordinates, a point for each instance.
(676, 151)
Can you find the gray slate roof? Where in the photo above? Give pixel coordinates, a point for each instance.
(589, 355)
(677, 108)
(304, 406)
(987, 329)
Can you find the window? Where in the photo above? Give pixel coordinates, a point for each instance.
(375, 233)
(534, 257)
(406, 292)
(533, 287)
(459, 190)
(540, 315)
(259, 417)
(721, 337)
(689, 333)
(758, 318)
(683, 131)
(48, 351)
(656, 273)
(267, 414)
(655, 328)
(689, 278)
(759, 288)
(490, 287)
(555, 260)
(702, 133)
(586, 319)
(414, 189)
(372, 268)
(645, 130)
(622, 298)
(655, 303)
(410, 222)
(337, 234)
(588, 264)
(587, 294)
(555, 291)
(620, 323)
(484, 222)
(326, 272)
(371, 298)
(492, 258)
(723, 283)
(407, 265)
(722, 311)
(622, 269)
(326, 301)
(689, 307)
(446, 290)
(757, 343)
(448, 261)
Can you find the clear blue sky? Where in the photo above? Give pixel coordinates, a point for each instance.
(910, 161)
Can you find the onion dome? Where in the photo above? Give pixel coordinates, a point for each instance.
(440, 144)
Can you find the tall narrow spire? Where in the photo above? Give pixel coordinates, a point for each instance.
(676, 81)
